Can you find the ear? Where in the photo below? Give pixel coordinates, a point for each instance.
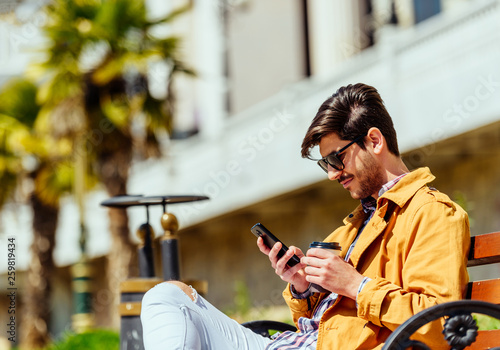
(376, 141)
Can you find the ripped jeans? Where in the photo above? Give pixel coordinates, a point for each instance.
(172, 321)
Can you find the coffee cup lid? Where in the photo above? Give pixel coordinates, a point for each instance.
(325, 245)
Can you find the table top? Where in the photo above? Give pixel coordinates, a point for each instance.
(124, 201)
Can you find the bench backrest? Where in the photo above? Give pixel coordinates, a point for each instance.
(485, 250)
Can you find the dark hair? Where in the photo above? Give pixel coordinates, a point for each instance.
(351, 112)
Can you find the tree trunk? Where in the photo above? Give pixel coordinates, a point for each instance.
(114, 157)
(37, 295)
(122, 258)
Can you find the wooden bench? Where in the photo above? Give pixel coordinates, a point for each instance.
(483, 297)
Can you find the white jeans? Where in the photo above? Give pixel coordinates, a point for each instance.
(172, 321)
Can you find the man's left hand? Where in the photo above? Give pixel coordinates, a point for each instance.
(331, 272)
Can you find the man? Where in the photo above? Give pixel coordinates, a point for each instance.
(404, 250)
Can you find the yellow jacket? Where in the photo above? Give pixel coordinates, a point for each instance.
(415, 251)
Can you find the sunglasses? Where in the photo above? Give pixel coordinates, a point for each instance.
(333, 158)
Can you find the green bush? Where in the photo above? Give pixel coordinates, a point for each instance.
(98, 339)
(486, 323)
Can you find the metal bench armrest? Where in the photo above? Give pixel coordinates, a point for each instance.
(458, 330)
(264, 327)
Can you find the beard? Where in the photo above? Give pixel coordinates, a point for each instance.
(369, 176)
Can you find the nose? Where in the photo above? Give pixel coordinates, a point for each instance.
(333, 174)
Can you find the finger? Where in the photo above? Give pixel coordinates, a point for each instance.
(284, 269)
(294, 269)
(318, 253)
(262, 246)
(312, 261)
(296, 251)
(282, 263)
(314, 279)
(273, 253)
(287, 274)
(285, 259)
(312, 271)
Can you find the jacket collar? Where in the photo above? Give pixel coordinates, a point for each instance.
(400, 193)
(408, 186)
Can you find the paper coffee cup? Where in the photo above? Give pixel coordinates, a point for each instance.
(334, 248)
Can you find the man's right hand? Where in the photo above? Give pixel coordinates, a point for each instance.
(294, 275)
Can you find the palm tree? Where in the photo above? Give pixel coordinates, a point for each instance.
(96, 83)
(51, 175)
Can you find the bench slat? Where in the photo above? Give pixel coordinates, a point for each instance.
(486, 340)
(487, 290)
(485, 249)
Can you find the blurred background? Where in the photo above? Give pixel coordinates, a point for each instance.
(213, 97)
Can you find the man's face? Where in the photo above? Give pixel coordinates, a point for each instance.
(362, 175)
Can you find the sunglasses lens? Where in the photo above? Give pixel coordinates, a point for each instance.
(323, 165)
(333, 159)
(334, 162)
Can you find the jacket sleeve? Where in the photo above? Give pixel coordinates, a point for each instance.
(434, 260)
(300, 307)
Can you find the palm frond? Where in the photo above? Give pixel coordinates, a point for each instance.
(111, 69)
(117, 111)
(9, 124)
(53, 180)
(118, 17)
(13, 132)
(179, 67)
(157, 115)
(171, 16)
(166, 47)
(18, 98)
(61, 85)
(95, 47)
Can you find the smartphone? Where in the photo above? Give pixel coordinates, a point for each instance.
(259, 230)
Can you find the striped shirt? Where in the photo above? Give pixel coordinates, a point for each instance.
(307, 335)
